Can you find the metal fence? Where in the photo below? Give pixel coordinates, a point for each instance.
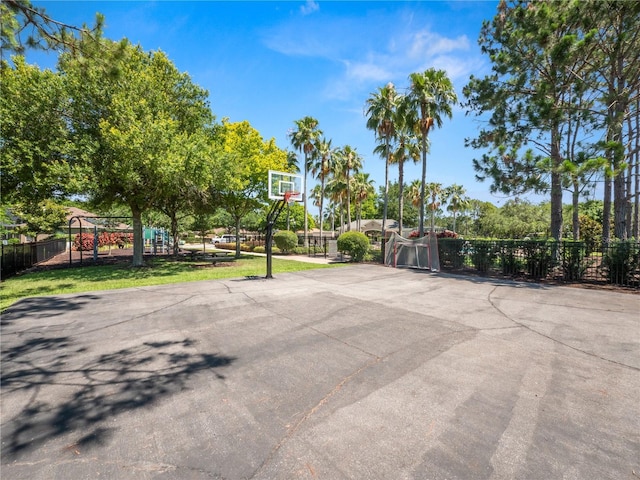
(18, 257)
(616, 263)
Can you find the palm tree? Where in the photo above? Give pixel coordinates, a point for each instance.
(457, 201)
(316, 196)
(432, 94)
(292, 161)
(407, 148)
(362, 189)
(336, 190)
(348, 162)
(414, 193)
(331, 216)
(321, 169)
(437, 192)
(304, 139)
(292, 166)
(381, 108)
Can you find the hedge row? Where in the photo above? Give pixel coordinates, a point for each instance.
(617, 263)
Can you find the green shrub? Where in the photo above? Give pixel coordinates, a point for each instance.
(286, 240)
(263, 249)
(355, 244)
(483, 254)
(574, 263)
(509, 260)
(374, 255)
(621, 260)
(538, 257)
(450, 252)
(244, 247)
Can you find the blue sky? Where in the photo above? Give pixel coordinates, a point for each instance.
(272, 63)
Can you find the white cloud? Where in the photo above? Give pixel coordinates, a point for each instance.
(429, 44)
(457, 67)
(366, 71)
(356, 75)
(309, 7)
(370, 51)
(298, 45)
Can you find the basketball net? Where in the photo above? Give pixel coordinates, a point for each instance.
(287, 195)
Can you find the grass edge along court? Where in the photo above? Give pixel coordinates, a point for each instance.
(158, 271)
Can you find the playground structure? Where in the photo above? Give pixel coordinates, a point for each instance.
(107, 231)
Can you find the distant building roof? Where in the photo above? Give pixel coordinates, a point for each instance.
(90, 220)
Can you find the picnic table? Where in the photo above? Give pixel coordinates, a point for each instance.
(212, 256)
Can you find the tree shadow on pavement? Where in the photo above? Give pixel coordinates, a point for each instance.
(44, 306)
(55, 394)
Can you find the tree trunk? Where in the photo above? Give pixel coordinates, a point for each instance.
(138, 240)
(321, 207)
(400, 194)
(348, 200)
(606, 212)
(386, 194)
(636, 188)
(304, 197)
(617, 109)
(423, 184)
(237, 220)
(556, 186)
(174, 234)
(575, 216)
(620, 205)
(333, 222)
(627, 199)
(433, 215)
(636, 201)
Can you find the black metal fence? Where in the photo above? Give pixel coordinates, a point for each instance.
(18, 257)
(616, 263)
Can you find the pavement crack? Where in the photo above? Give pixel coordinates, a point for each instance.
(136, 317)
(555, 340)
(291, 431)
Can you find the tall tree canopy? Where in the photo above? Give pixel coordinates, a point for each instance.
(552, 66)
(304, 138)
(23, 26)
(432, 95)
(241, 176)
(126, 126)
(34, 153)
(381, 112)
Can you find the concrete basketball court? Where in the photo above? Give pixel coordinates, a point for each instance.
(361, 372)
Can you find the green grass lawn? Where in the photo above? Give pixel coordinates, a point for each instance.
(158, 271)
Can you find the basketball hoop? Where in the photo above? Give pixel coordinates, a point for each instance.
(287, 195)
(285, 186)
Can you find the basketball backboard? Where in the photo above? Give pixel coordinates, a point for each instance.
(283, 182)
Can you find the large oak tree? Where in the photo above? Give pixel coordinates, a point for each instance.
(126, 125)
